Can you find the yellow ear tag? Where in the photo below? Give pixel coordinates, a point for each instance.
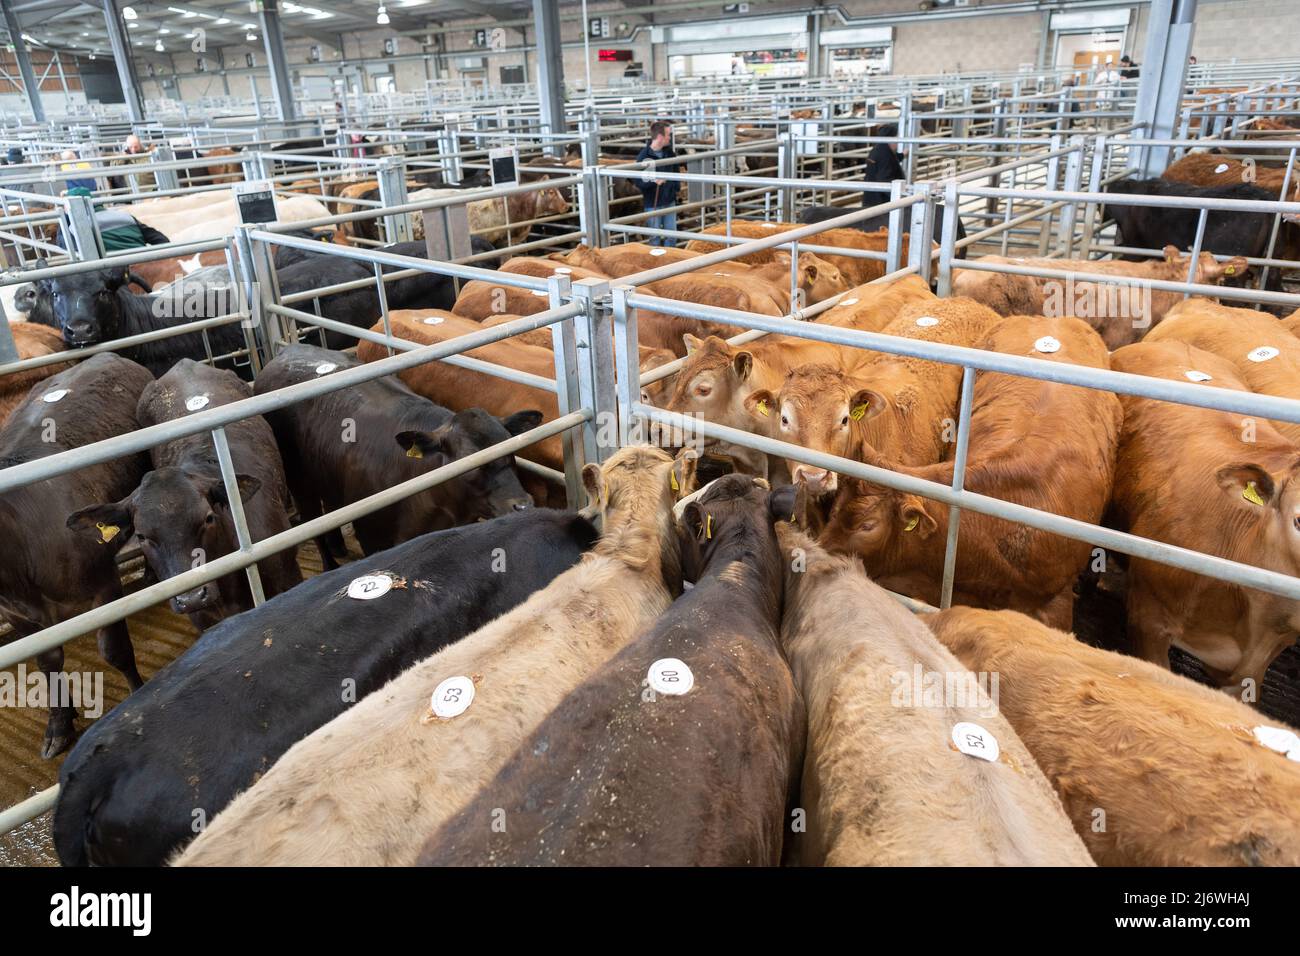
(1230, 271)
(762, 408)
(708, 526)
(911, 525)
(414, 452)
(1252, 495)
(107, 532)
(672, 479)
(858, 411)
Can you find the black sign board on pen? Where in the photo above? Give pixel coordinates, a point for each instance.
(255, 201)
(505, 163)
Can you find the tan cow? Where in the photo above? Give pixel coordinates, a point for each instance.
(1265, 355)
(904, 408)
(32, 341)
(368, 787)
(1034, 443)
(856, 271)
(1121, 311)
(1175, 767)
(498, 220)
(1216, 482)
(883, 782)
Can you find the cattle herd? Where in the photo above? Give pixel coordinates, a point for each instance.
(687, 671)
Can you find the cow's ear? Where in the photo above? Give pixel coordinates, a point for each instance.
(594, 482)
(1248, 483)
(419, 444)
(692, 343)
(915, 518)
(866, 403)
(760, 404)
(116, 278)
(743, 363)
(1235, 266)
(248, 486)
(1171, 254)
(520, 422)
(110, 524)
(789, 503)
(695, 522)
(681, 476)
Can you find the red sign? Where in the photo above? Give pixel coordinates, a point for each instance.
(613, 56)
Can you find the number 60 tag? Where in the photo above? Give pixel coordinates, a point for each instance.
(974, 741)
(670, 676)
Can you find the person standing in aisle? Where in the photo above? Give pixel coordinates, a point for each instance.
(659, 193)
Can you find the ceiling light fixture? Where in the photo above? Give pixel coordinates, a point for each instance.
(159, 47)
(128, 13)
(382, 18)
(250, 36)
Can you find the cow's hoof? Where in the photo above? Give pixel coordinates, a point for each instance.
(56, 742)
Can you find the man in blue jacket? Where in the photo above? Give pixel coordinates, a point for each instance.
(659, 193)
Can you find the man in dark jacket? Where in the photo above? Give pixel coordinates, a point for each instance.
(659, 193)
(882, 162)
(1128, 69)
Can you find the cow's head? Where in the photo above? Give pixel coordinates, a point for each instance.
(1210, 271)
(491, 490)
(550, 203)
(713, 382)
(1272, 500)
(868, 520)
(87, 306)
(818, 407)
(734, 509)
(818, 278)
(182, 519)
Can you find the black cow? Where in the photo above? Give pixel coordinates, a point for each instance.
(180, 511)
(349, 444)
(1154, 227)
(95, 307)
(625, 774)
(813, 214)
(360, 307)
(215, 719)
(50, 573)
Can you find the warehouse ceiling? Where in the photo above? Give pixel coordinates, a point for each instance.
(77, 25)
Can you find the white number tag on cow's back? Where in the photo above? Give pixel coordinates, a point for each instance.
(1278, 738)
(849, 302)
(1047, 344)
(563, 271)
(452, 697)
(370, 586)
(658, 252)
(1194, 376)
(434, 320)
(58, 395)
(974, 741)
(670, 676)
(540, 293)
(1262, 354)
(926, 321)
(1221, 168)
(324, 368)
(196, 402)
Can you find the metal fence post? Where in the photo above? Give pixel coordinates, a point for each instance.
(165, 178)
(236, 502)
(1073, 176)
(1095, 176)
(894, 249)
(259, 287)
(594, 332)
(81, 232)
(1052, 177)
(568, 396)
(392, 192)
(627, 357)
(948, 238)
(785, 160)
(958, 482)
(918, 251)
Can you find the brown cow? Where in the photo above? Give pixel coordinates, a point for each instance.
(1176, 767)
(1207, 169)
(1034, 443)
(32, 341)
(159, 272)
(883, 783)
(1265, 355)
(364, 789)
(902, 407)
(717, 377)
(855, 271)
(1215, 482)
(1120, 311)
(616, 777)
